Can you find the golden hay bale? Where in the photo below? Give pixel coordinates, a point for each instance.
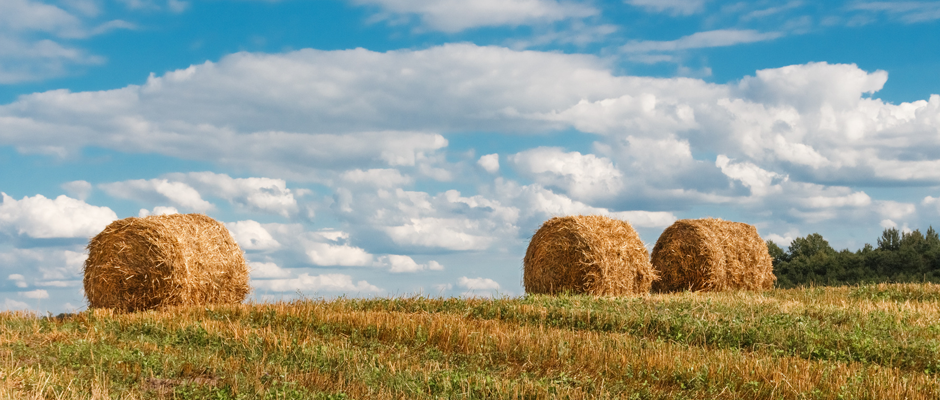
(180, 259)
(592, 254)
(711, 254)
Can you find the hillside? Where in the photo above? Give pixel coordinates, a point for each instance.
(874, 342)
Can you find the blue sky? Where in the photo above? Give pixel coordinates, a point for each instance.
(391, 147)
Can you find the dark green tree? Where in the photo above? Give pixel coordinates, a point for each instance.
(776, 253)
(809, 246)
(932, 238)
(890, 240)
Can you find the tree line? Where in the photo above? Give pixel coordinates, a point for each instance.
(899, 257)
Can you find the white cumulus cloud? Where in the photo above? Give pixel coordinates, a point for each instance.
(760, 181)
(250, 235)
(478, 287)
(317, 283)
(33, 37)
(537, 204)
(258, 194)
(35, 294)
(267, 270)
(77, 189)
(799, 141)
(158, 191)
(489, 162)
(448, 233)
(158, 210)
(646, 219)
(378, 177)
(44, 266)
(402, 264)
(810, 86)
(62, 217)
(895, 209)
(419, 220)
(582, 176)
(18, 280)
(327, 254)
(13, 305)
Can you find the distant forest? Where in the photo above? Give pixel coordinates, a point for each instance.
(899, 257)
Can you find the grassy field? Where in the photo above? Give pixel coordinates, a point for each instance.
(868, 342)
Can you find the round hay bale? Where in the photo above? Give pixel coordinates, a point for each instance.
(711, 254)
(593, 255)
(165, 260)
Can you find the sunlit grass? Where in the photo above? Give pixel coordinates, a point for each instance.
(874, 342)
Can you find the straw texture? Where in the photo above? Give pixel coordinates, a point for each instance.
(180, 259)
(711, 254)
(593, 255)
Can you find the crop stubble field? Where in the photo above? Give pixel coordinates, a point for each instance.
(863, 342)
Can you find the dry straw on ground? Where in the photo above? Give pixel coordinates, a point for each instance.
(181, 259)
(711, 254)
(593, 254)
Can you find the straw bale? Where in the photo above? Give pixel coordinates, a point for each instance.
(165, 260)
(593, 255)
(711, 254)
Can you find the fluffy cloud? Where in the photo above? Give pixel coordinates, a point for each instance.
(447, 233)
(186, 190)
(327, 254)
(292, 245)
(400, 264)
(378, 177)
(267, 270)
(13, 305)
(796, 141)
(419, 220)
(810, 86)
(782, 240)
(760, 182)
(77, 189)
(26, 15)
(932, 203)
(317, 283)
(64, 217)
(18, 280)
(250, 235)
(645, 219)
(457, 15)
(158, 210)
(346, 113)
(31, 36)
(663, 170)
(295, 245)
(332, 248)
(583, 176)
(35, 294)
(257, 194)
(536, 204)
(44, 267)
(489, 162)
(223, 111)
(478, 286)
(895, 210)
(158, 191)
